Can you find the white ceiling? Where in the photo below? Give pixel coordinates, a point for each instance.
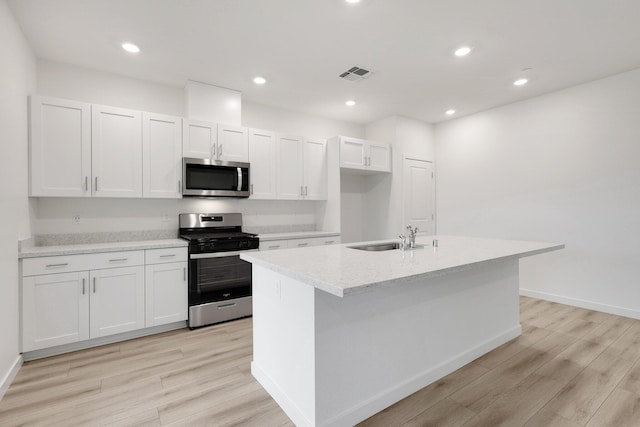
(301, 46)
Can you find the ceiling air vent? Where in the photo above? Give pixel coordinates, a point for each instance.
(355, 74)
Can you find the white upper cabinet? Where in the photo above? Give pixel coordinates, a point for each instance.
(199, 139)
(289, 170)
(314, 152)
(302, 168)
(379, 157)
(162, 156)
(116, 135)
(60, 155)
(262, 156)
(233, 144)
(206, 140)
(365, 156)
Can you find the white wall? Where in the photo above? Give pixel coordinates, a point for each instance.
(17, 80)
(54, 215)
(563, 167)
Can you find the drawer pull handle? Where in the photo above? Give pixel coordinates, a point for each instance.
(119, 260)
(62, 264)
(220, 307)
(302, 244)
(167, 256)
(329, 242)
(274, 246)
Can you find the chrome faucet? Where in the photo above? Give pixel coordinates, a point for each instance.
(412, 235)
(403, 241)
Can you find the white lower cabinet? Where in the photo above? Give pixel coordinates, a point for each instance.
(166, 293)
(55, 309)
(116, 301)
(108, 293)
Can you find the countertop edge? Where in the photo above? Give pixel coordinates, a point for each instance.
(296, 235)
(88, 248)
(364, 287)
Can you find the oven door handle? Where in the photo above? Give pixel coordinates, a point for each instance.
(220, 254)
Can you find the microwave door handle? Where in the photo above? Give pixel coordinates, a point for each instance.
(239, 178)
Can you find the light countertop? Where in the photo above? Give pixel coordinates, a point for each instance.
(296, 235)
(340, 270)
(85, 248)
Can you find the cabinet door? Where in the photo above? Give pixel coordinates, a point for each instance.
(379, 157)
(315, 169)
(352, 153)
(117, 300)
(116, 152)
(162, 156)
(165, 293)
(262, 156)
(199, 139)
(289, 168)
(60, 158)
(55, 310)
(233, 143)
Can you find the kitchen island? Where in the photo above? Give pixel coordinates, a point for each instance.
(342, 333)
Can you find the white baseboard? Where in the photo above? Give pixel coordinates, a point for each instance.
(8, 378)
(356, 414)
(577, 302)
(95, 342)
(287, 405)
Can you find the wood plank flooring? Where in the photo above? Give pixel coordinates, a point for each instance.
(571, 367)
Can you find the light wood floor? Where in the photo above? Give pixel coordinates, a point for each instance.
(570, 367)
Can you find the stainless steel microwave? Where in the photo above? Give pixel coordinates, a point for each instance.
(214, 178)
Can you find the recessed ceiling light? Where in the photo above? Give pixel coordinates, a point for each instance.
(350, 103)
(259, 80)
(463, 51)
(130, 47)
(450, 112)
(520, 82)
(353, 1)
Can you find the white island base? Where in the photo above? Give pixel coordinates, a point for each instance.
(335, 361)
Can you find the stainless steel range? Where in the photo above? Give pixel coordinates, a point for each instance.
(219, 281)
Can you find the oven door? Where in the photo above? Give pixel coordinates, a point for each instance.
(213, 277)
(206, 178)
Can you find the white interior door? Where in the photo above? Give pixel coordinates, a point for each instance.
(418, 195)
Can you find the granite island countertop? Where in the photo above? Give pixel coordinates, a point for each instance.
(341, 270)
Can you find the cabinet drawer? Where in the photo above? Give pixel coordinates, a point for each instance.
(116, 259)
(303, 243)
(55, 264)
(331, 240)
(159, 256)
(273, 244)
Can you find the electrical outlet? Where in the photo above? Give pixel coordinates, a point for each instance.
(76, 218)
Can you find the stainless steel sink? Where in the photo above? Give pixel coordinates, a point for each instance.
(388, 246)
